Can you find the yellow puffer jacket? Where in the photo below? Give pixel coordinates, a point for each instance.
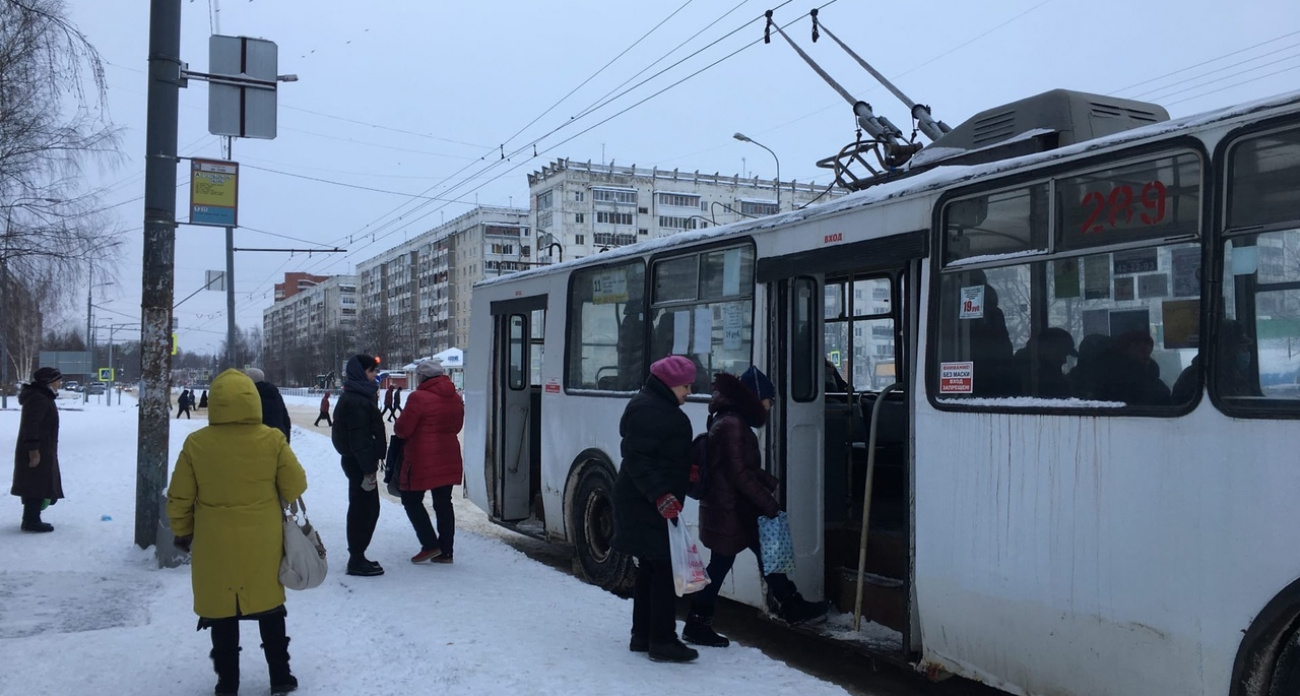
(226, 491)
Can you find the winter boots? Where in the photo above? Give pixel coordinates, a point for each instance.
(797, 611)
(699, 630)
(277, 663)
(225, 662)
(672, 651)
(32, 517)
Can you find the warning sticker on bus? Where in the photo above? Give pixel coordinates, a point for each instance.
(956, 377)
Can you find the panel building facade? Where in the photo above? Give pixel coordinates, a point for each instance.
(311, 331)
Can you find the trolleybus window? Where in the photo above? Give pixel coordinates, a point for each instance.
(803, 349)
(1257, 364)
(1105, 314)
(859, 334)
(606, 347)
(703, 308)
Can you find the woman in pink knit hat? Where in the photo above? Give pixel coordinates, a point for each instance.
(652, 481)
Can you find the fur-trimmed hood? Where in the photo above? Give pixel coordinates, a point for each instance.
(730, 395)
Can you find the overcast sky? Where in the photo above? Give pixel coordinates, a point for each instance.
(417, 98)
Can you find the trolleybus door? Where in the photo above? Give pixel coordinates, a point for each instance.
(517, 400)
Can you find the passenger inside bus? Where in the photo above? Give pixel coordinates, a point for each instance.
(1130, 375)
(991, 349)
(1090, 369)
(1233, 377)
(1042, 361)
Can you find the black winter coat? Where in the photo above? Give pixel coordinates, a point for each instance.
(358, 433)
(274, 412)
(738, 489)
(38, 430)
(656, 460)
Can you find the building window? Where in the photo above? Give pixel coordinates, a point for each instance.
(612, 218)
(579, 218)
(579, 239)
(683, 200)
(676, 223)
(545, 200)
(643, 232)
(614, 196)
(578, 196)
(757, 208)
(643, 211)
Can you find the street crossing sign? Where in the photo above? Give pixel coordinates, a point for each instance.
(106, 374)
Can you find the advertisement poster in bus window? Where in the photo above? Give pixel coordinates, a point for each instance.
(1096, 277)
(1186, 266)
(972, 302)
(609, 287)
(1124, 289)
(956, 377)
(1153, 285)
(1182, 320)
(733, 321)
(1136, 261)
(1066, 278)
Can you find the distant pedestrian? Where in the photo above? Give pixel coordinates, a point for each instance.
(203, 400)
(183, 403)
(359, 437)
(647, 495)
(397, 404)
(431, 459)
(324, 411)
(36, 454)
(388, 402)
(224, 504)
(274, 413)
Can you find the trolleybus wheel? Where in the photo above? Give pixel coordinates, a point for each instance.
(593, 525)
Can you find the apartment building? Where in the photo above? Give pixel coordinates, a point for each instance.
(310, 331)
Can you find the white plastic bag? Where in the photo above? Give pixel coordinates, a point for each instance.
(688, 568)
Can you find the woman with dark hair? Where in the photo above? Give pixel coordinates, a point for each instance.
(36, 454)
(360, 439)
(224, 503)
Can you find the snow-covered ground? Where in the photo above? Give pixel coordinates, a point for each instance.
(84, 611)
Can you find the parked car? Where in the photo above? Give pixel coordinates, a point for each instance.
(71, 385)
(95, 388)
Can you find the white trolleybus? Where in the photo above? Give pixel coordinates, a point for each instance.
(1051, 372)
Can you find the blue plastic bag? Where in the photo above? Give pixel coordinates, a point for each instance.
(775, 542)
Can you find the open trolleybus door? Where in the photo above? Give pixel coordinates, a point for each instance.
(517, 400)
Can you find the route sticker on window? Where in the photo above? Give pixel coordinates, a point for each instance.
(972, 302)
(956, 377)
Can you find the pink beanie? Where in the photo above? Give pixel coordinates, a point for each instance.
(674, 371)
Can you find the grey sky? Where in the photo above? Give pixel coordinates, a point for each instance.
(399, 95)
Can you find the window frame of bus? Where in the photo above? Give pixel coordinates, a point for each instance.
(569, 319)
(1050, 175)
(804, 387)
(516, 353)
(1224, 157)
(846, 283)
(747, 292)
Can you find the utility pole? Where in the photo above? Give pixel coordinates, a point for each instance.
(230, 277)
(158, 281)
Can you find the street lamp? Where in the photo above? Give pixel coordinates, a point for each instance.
(746, 139)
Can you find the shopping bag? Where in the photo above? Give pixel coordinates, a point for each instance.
(393, 465)
(303, 565)
(688, 568)
(775, 542)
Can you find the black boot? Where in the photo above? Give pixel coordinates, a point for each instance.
(32, 517)
(672, 651)
(699, 630)
(276, 647)
(226, 664)
(797, 611)
(639, 643)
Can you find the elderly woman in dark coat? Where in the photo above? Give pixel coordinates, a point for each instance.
(36, 454)
(652, 481)
(738, 490)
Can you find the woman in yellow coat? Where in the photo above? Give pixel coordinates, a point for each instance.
(224, 506)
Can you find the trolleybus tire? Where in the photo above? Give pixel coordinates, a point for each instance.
(593, 532)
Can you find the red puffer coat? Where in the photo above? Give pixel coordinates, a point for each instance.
(430, 424)
(739, 490)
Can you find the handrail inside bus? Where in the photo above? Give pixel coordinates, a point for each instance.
(866, 499)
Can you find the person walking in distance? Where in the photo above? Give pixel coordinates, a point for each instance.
(359, 438)
(397, 404)
(274, 412)
(36, 454)
(203, 400)
(431, 459)
(736, 492)
(652, 481)
(183, 404)
(388, 402)
(324, 411)
(224, 506)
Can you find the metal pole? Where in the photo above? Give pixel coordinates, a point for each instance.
(90, 288)
(4, 317)
(111, 382)
(230, 279)
(158, 277)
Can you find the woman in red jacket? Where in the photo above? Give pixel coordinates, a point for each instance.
(431, 460)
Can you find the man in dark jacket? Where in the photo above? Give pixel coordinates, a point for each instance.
(737, 492)
(359, 438)
(36, 454)
(274, 412)
(647, 494)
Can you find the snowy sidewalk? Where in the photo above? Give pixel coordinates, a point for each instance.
(83, 611)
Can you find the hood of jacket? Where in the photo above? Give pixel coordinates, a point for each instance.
(234, 399)
(30, 390)
(440, 385)
(730, 395)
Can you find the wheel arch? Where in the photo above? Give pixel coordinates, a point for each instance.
(1263, 642)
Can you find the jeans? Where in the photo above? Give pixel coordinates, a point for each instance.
(445, 537)
(654, 602)
(363, 514)
(779, 586)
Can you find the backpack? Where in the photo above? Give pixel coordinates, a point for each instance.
(699, 458)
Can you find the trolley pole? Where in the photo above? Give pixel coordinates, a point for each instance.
(158, 281)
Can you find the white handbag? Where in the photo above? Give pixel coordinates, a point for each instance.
(303, 565)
